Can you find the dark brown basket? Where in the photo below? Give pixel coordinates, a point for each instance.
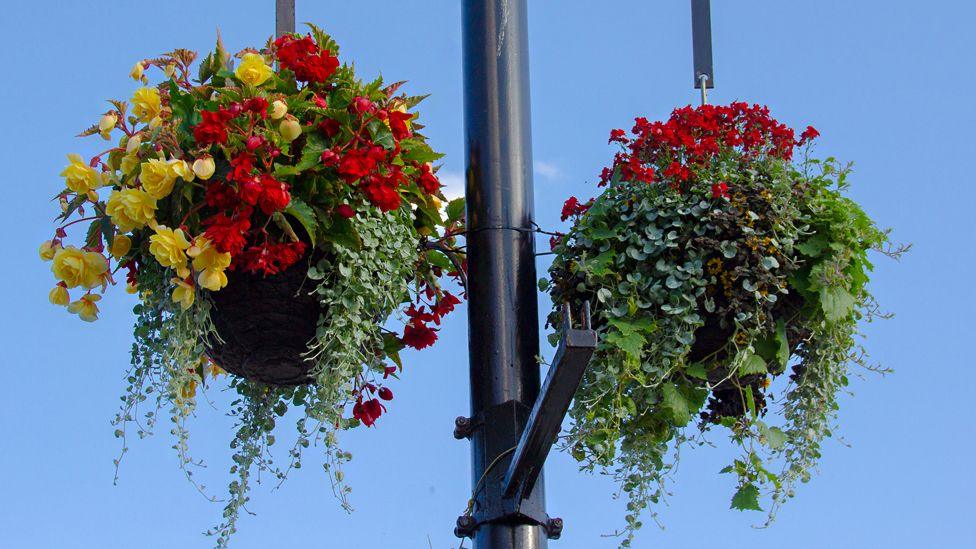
(266, 324)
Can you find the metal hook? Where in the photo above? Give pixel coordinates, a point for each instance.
(703, 80)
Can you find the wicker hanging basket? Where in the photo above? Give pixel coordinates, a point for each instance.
(265, 324)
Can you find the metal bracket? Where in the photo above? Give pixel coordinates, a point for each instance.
(545, 421)
(701, 42)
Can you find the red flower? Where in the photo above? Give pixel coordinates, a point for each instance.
(808, 134)
(381, 193)
(720, 190)
(241, 167)
(329, 127)
(368, 412)
(228, 234)
(256, 105)
(418, 335)
(388, 371)
(213, 128)
(362, 105)
(320, 101)
(428, 181)
(302, 56)
(346, 211)
(445, 304)
(618, 135)
(274, 195)
(250, 191)
(554, 241)
(398, 124)
(270, 258)
(356, 164)
(569, 208)
(220, 196)
(329, 157)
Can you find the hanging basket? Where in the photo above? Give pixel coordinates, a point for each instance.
(265, 324)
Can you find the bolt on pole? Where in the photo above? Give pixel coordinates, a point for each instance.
(502, 304)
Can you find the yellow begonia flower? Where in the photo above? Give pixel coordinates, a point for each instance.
(290, 129)
(133, 144)
(278, 109)
(59, 296)
(179, 168)
(79, 176)
(121, 245)
(129, 163)
(85, 307)
(47, 250)
(106, 124)
(131, 208)
(204, 167)
(183, 294)
(146, 104)
(210, 263)
(168, 247)
(77, 267)
(253, 70)
(157, 178)
(137, 70)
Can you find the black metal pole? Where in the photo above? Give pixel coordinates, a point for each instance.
(502, 307)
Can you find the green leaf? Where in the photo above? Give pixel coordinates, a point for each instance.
(392, 347)
(631, 343)
(750, 402)
(343, 233)
(415, 150)
(697, 370)
(455, 209)
(303, 213)
(312, 153)
(752, 364)
(746, 498)
(775, 438)
(675, 405)
(600, 264)
(814, 246)
(836, 302)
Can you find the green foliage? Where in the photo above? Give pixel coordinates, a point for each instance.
(699, 303)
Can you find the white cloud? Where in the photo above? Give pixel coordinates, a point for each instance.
(548, 170)
(453, 183)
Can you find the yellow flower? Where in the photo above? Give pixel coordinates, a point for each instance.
(85, 307)
(179, 168)
(79, 176)
(131, 208)
(189, 390)
(133, 143)
(107, 124)
(210, 263)
(59, 296)
(129, 163)
(47, 250)
(290, 129)
(157, 178)
(278, 109)
(168, 246)
(121, 245)
(183, 294)
(137, 70)
(77, 267)
(131, 288)
(253, 70)
(146, 104)
(204, 167)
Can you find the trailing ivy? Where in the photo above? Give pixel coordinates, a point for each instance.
(715, 264)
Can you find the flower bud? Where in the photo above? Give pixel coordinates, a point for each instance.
(137, 70)
(204, 167)
(92, 196)
(47, 250)
(107, 124)
(278, 109)
(121, 245)
(169, 70)
(290, 129)
(254, 142)
(329, 157)
(59, 296)
(133, 144)
(346, 211)
(131, 288)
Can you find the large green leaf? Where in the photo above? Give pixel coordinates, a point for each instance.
(836, 302)
(304, 214)
(746, 498)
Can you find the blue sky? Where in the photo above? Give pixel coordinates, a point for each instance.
(887, 83)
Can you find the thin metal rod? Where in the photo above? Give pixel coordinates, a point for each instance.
(701, 41)
(284, 17)
(503, 313)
